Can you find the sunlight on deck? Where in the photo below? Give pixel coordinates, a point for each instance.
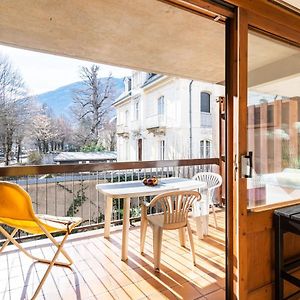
(99, 273)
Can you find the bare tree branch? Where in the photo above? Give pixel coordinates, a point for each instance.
(14, 107)
(91, 104)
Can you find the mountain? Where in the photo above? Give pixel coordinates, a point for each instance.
(60, 100)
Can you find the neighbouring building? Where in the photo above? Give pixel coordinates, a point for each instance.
(161, 118)
(85, 157)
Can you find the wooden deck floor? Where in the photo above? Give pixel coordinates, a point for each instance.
(98, 272)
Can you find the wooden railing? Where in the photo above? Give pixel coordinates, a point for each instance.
(73, 168)
(69, 190)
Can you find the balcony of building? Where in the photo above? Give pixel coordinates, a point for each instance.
(206, 120)
(98, 272)
(122, 130)
(156, 124)
(135, 127)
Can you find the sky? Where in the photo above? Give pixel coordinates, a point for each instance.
(44, 72)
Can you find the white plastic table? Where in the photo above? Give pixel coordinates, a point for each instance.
(129, 189)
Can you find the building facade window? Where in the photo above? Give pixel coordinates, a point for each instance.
(127, 148)
(205, 102)
(162, 149)
(126, 117)
(205, 149)
(127, 84)
(161, 105)
(136, 110)
(137, 79)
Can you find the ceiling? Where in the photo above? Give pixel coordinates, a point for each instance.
(274, 66)
(144, 35)
(287, 87)
(264, 50)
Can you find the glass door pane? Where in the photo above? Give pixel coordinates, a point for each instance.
(273, 120)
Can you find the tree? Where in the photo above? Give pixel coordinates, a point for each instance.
(63, 133)
(14, 107)
(42, 131)
(20, 133)
(50, 133)
(91, 105)
(108, 135)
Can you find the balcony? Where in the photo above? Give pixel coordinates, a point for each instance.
(156, 124)
(98, 272)
(206, 120)
(123, 130)
(135, 128)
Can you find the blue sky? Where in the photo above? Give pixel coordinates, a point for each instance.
(44, 72)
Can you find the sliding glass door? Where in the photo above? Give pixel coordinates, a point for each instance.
(273, 129)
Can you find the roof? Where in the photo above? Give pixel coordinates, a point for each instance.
(86, 156)
(152, 79)
(123, 96)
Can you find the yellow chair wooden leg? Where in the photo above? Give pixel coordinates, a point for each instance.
(42, 260)
(58, 251)
(52, 239)
(8, 240)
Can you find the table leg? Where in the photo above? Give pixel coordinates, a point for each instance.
(205, 224)
(200, 214)
(125, 231)
(107, 216)
(199, 226)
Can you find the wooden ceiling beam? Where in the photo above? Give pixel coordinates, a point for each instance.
(262, 14)
(287, 67)
(267, 25)
(265, 9)
(202, 6)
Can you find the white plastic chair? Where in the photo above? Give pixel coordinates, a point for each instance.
(175, 207)
(213, 181)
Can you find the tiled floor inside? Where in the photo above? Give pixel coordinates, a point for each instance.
(99, 273)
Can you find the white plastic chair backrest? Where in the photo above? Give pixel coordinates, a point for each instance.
(175, 205)
(213, 181)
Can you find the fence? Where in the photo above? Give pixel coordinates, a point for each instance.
(69, 190)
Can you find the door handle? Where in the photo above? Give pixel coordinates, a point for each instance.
(247, 165)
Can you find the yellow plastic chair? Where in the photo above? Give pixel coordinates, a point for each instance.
(175, 208)
(16, 211)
